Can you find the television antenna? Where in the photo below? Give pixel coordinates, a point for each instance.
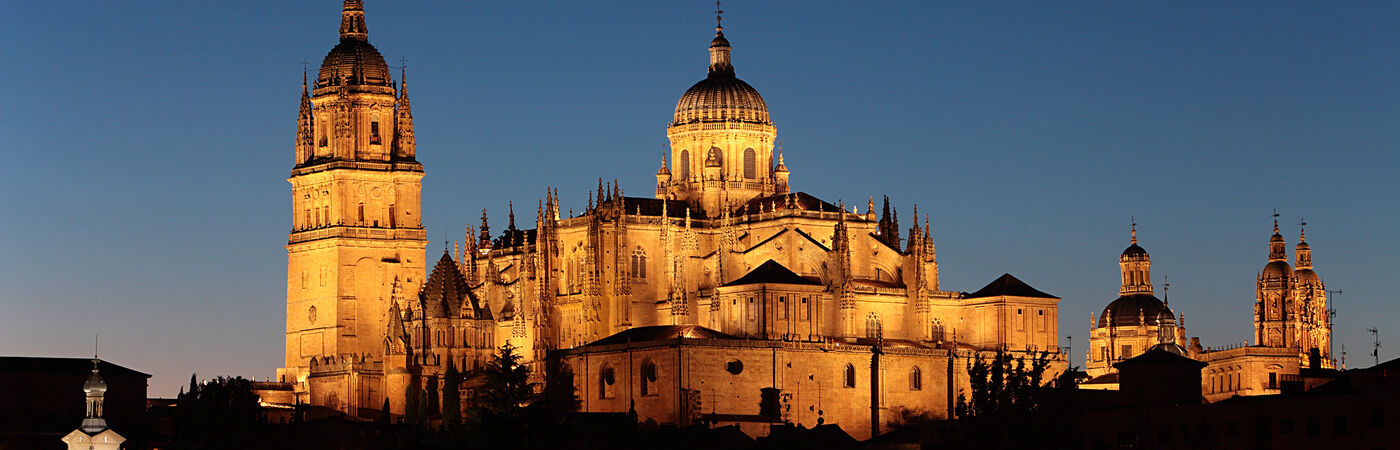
(1376, 346)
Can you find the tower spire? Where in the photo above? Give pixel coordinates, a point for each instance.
(352, 21)
(305, 120)
(1134, 229)
(511, 206)
(405, 146)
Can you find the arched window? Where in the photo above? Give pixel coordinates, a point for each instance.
(639, 264)
(648, 377)
(362, 213)
(873, 327)
(684, 164)
(392, 220)
(750, 164)
(715, 157)
(374, 130)
(606, 378)
(849, 376)
(936, 331)
(916, 379)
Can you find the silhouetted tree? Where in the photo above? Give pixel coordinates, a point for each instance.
(222, 413)
(1011, 406)
(451, 396)
(506, 389)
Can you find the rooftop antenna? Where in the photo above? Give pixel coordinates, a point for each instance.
(1166, 287)
(1332, 309)
(1376, 346)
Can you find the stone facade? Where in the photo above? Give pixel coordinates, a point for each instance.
(791, 284)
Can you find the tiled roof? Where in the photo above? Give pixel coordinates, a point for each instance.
(1009, 286)
(643, 334)
(772, 272)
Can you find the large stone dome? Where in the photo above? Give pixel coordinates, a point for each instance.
(1133, 310)
(721, 98)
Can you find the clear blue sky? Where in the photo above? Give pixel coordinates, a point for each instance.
(143, 194)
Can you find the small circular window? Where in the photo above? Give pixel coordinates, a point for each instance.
(735, 367)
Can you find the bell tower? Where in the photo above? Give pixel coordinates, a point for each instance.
(355, 207)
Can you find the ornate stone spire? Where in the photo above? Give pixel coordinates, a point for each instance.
(352, 21)
(485, 237)
(405, 146)
(306, 138)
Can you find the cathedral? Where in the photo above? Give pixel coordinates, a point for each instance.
(1292, 326)
(723, 297)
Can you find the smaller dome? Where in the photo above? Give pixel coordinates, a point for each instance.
(94, 383)
(719, 41)
(1133, 252)
(1169, 347)
(1307, 276)
(1276, 270)
(1131, 310)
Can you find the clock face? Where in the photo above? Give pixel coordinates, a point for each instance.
(311, 314)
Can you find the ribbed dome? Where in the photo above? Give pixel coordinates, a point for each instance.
(357, 61)
(1275, 270)
(1131, 309)
(1307, 276)
(1133, 252)
(721, 98)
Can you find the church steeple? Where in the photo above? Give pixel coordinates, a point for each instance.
(356, 195)
(94, 389)
(352, 21)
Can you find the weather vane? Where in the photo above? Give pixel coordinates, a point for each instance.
(719, 15)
